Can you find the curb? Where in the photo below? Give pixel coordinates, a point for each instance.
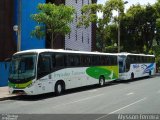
(7, 98)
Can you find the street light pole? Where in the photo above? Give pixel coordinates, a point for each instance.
(119, 30)
(19, 25)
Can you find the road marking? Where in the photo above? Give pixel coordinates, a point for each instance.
(121, 108)
(131, 93)
(80, 100)
(87, 98)
(128, 105)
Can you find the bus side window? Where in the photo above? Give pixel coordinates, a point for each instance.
(102, 60)
(70, 60)
(109, 60)
(76, 60)
(128, 62)
(153, 59)
(44, 65)
(53, 61)
(59, 60)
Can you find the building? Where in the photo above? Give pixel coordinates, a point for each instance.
(17, 12)
(14, 12)
(7, 41)
(79, 38)
(82, 39)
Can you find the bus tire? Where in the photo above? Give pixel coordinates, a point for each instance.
(132, 76)
(59, 88)
(101, 81)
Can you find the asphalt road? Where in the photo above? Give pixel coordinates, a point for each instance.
(141, 96)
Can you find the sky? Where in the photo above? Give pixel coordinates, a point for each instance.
(131, 2)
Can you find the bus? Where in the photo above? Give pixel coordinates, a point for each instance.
(133, 66)
(39, 71)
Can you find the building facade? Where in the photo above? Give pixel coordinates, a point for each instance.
(7, 40)
(18, 12)
(80, 39)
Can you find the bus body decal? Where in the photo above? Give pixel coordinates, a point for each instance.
(149, 68)
(108, 72)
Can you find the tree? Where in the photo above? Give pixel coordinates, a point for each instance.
(138, 28)
(131, 31)
(157, 6)
(157, 37)
(53, 20)
(140, 25)
(89, 15)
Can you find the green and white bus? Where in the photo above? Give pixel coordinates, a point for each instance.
(39, 71)
(133, 66)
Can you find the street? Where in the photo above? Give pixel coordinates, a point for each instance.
(141, 96)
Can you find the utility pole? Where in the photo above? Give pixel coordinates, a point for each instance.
(19, 25)
(17, 28)
(119, 30)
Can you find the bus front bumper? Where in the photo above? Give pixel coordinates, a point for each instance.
(25, 91)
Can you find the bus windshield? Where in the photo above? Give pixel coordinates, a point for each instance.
(23, 67)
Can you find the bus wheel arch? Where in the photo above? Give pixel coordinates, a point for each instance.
(101, 80)
(132, 76)
(59, 87)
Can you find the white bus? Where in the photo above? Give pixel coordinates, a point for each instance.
(41, 71)
(133, 66)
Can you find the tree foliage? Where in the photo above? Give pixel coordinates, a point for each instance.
(89, 15)
(53, 20)
(139, 26)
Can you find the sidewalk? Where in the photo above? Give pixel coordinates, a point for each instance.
(4, 93)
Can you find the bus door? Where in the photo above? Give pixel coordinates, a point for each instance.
(44, 70)
(122, 65)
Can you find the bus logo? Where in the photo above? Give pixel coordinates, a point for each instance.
(135, 66)
(149, 68)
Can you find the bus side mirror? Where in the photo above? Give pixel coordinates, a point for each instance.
(7, 60)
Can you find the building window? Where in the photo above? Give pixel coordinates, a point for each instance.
(76, 34)
(76, 17)
(82, 37)
(76, 1)
(82, 2)
(88, 2)
(69, 35)
(88, 38)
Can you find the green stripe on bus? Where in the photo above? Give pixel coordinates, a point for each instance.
(109, 72)
(20, 86)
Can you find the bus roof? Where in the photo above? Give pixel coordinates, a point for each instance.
(60, 51)
(126, 54)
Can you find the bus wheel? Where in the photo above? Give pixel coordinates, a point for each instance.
(59, 88)
(132, 76)
(101, 81)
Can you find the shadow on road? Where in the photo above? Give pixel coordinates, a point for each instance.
(52, 95)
